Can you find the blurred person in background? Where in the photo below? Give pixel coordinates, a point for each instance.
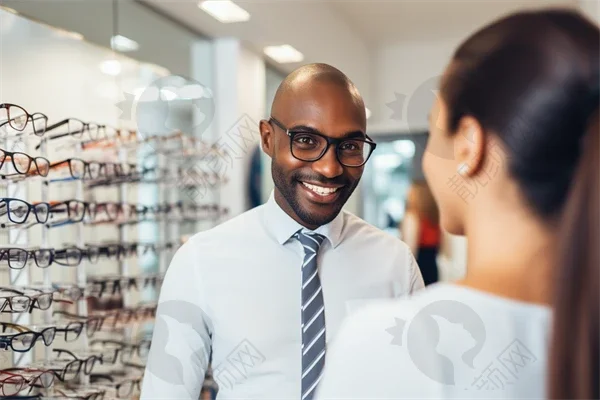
(420, 229)
(519, 106)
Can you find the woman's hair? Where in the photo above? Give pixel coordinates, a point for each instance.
(421, 201)
(532, 79)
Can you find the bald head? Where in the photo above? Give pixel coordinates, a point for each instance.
(316, 138)
(308, 76)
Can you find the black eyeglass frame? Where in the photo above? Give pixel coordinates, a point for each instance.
(329, 140)
(30, 207)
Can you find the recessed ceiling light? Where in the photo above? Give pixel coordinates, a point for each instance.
(224, 11)
(111, 67)
(124, 44)
(368, 112)
(284, 54)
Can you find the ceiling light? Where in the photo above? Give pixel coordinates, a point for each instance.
(225, 11)
(111, 67)
(124, 44)
(284, 54)
(368, 112)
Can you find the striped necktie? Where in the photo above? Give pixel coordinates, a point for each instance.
(313, 315)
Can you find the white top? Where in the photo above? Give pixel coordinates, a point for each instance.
(445, 342)
(236, 289)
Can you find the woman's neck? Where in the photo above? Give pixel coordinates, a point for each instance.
(511, 256)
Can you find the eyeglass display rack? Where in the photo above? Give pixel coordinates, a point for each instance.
(171, 154)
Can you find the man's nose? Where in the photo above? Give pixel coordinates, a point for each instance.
(328, 165)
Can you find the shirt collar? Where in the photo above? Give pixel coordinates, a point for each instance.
(283, 226)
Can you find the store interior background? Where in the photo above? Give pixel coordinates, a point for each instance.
(58, 57)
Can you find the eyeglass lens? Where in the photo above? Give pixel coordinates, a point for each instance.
(310, 147)
(75, 127)
(12, 385)
(18, 211)
(40, 123)
(43, 257)
(14, 117)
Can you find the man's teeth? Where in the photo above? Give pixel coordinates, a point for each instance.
(323, 191)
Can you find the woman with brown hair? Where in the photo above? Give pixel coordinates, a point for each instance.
(420, 229)
(518, 106)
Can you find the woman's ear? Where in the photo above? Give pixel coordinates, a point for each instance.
(468, 146)
(266, 137)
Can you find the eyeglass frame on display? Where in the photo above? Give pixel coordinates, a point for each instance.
(101, 173)
(33, 300)
(135, 383)
(28, 117)
(30, 206)
(4, 154)
(6, 341)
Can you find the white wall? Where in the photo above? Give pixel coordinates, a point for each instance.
(239, 92)
(401, 69)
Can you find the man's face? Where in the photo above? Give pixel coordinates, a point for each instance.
(313, 193)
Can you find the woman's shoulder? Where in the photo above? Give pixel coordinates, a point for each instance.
(436, 342)
(429, 308)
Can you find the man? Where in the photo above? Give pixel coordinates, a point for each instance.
(247, 294)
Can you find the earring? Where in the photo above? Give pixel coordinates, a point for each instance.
(463, 169)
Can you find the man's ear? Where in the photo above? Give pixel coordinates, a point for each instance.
(266, 137)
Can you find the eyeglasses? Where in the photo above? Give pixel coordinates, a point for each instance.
(21, 164)
(71, 367)
(76, 211)
(124, 388)
(24, 340)
(80, 169)
(87, 361)
(19, 378)
(115, 285)
(18, 211)
(16, 117)
(82, 394)
(76, 128)
(310, 146)
(78, 323)
(127, 350)
(24, 302)
(17, 258)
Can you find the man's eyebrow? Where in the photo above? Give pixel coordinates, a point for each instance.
(310, 129)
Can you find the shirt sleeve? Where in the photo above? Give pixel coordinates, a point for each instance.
(181, 340)
(416, 278)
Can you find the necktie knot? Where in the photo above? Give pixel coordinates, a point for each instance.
(310, 240)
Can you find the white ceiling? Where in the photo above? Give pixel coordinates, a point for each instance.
(416, 20)
(320, 28)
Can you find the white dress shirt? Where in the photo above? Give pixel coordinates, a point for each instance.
(445, 342)
(235, 291)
